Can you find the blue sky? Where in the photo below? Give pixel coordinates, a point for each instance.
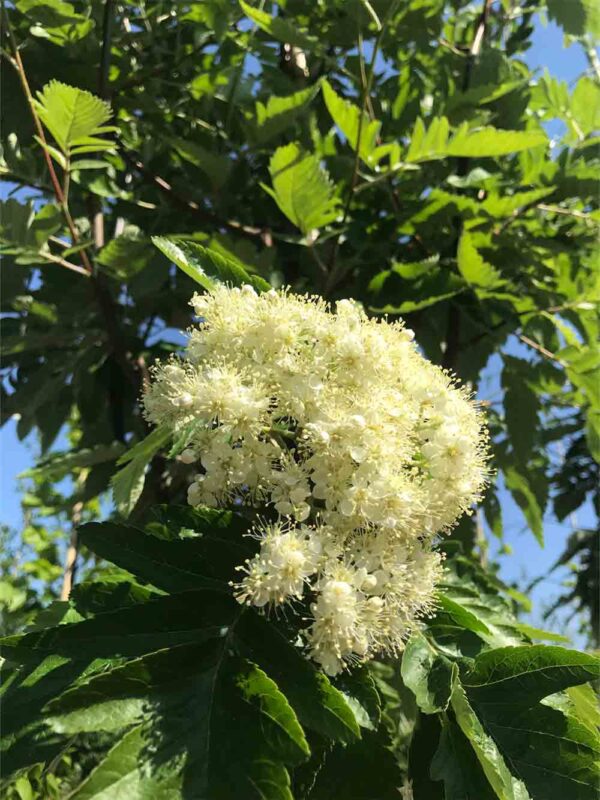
(527, 560)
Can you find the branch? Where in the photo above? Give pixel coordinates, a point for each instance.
(540, 349)
(73, 548)
(64, 263)
(192, 206)
(366, 83)
(58, 192)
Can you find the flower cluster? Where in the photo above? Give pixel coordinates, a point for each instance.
(365, 450)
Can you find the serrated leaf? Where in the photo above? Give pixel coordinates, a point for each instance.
(280, 112)
(280, 29)
(504, 784)
(215, 166)
(204, 265)
(550, 751)
(472, 266)
(128, 483)
(72, 115)
(520, 488)
(208, 560)
(189, 697)
(55, 20)
(592, 432)
(168, 621)
(435, 142)
(527, 674)
(347, 117)
(364, 770)
(360, 691)
(490, 142)
(521, 407)
(59, 464)
(430, 676)
(318, 704)
(456, 764)
(302, 189)
(125, 256)
(576, 17)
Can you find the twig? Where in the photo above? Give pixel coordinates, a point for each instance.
(191, 205)
(64, 263)
(366, 90)
(101, 291)
(58, 192)
(540, 349)
(569, 212)
(73, 548)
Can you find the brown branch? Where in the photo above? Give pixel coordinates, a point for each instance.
(64, 263)
(190, 205)
(58, 191)
(540, 349)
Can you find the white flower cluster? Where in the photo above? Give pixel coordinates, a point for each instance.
(365, 451)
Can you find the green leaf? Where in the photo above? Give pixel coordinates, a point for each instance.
(347, 117)
(21, 228)
(435, 285)
(585, 105)
(73, 116)
(435, 142)
(301, 188)
(456, 764)
(278, 28)
(585, 705)
(362, 696)
(318, 704)
(430, 676)
(527, 674)
(578, 17)
(59, 464)
(539, 633)
(189, 697)
(125, 256)
(207, 560)
(461, 617)
(471, 265)
(203, 265)
(362, 771)
(489, 142)
(521, 407)
(280, 112)
(168, 621)
(554, 754)
(128, 483)
(109, 594)
(519, 486)
(55, 20)
(592, 432)
(215, 166)
(504, 784)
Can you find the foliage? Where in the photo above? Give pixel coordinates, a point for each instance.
(203, 697)
(397, 153)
